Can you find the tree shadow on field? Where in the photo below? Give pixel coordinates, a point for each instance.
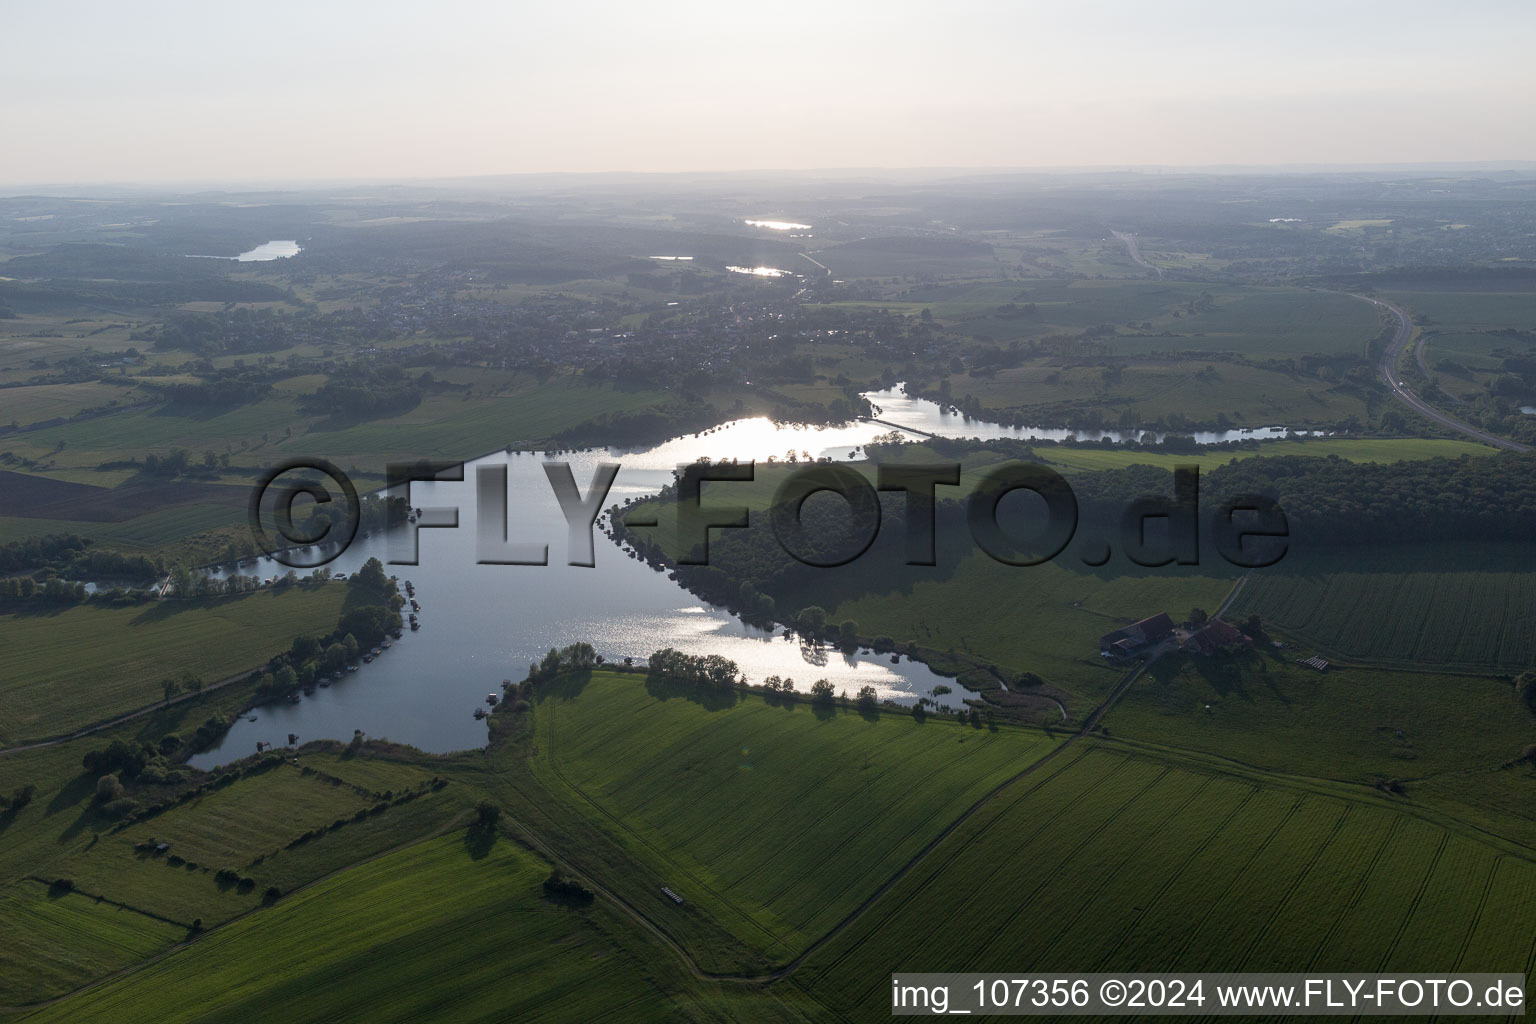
(159, 611)
(565, 687)
(479, 841)
(707, 697)
(81, 787)
(39, 609)
(79, 825)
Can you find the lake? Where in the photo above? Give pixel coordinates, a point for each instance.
(484, 623)
(277, 249)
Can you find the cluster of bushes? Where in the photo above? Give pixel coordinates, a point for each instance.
(362, 814)
(42, 569)
(711, 671)
(18, 799)
(822, 692)
(179, 463)
(53, 591)
(573, 658)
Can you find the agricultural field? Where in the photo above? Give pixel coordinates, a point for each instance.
(777, 819)
(1141, 392)
(69, 668)
(455, 932)
(1453, 738)
(279, 825)
(1363, 449)
(1470, 310)
(56, 335)
(1113, 861)
(1467, 337)
(173, 532)
(1055, 612)
(29, 405)
(461, 425)
(1448, 606)
(70, 939)
(1150, 316)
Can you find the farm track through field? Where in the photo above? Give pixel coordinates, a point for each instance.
(1418, 897)
(857, 912)
(618, 824)
(1086, 904)
(109, 723)
(1477, 915)
(1238, 876)
(1173, 876)
(1072, 854)
(1354, 897)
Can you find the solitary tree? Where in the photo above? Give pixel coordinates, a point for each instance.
(486, 816)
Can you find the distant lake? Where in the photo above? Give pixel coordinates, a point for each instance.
(758, 271)
(277, 249)
(777, 225)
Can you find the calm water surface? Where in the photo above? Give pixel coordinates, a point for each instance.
(484, 623)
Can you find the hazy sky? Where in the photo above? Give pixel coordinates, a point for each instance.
(166, 91)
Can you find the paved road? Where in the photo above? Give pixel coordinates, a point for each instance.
(1135, 250)
(1388, 371)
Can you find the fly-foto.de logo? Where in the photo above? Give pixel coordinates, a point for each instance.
(1248, 530)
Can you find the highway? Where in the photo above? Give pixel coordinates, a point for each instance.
(1132, 247)
(1388, 371)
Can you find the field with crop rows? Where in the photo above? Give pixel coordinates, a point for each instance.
(69, 939)
(428, 933)
(1112, 862)
(1446, 606)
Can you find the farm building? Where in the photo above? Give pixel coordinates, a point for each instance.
(1217, 636)
(1136, 637)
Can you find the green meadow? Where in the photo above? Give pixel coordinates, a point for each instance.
(1364, 449)
(69, 668)
(776, 818)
